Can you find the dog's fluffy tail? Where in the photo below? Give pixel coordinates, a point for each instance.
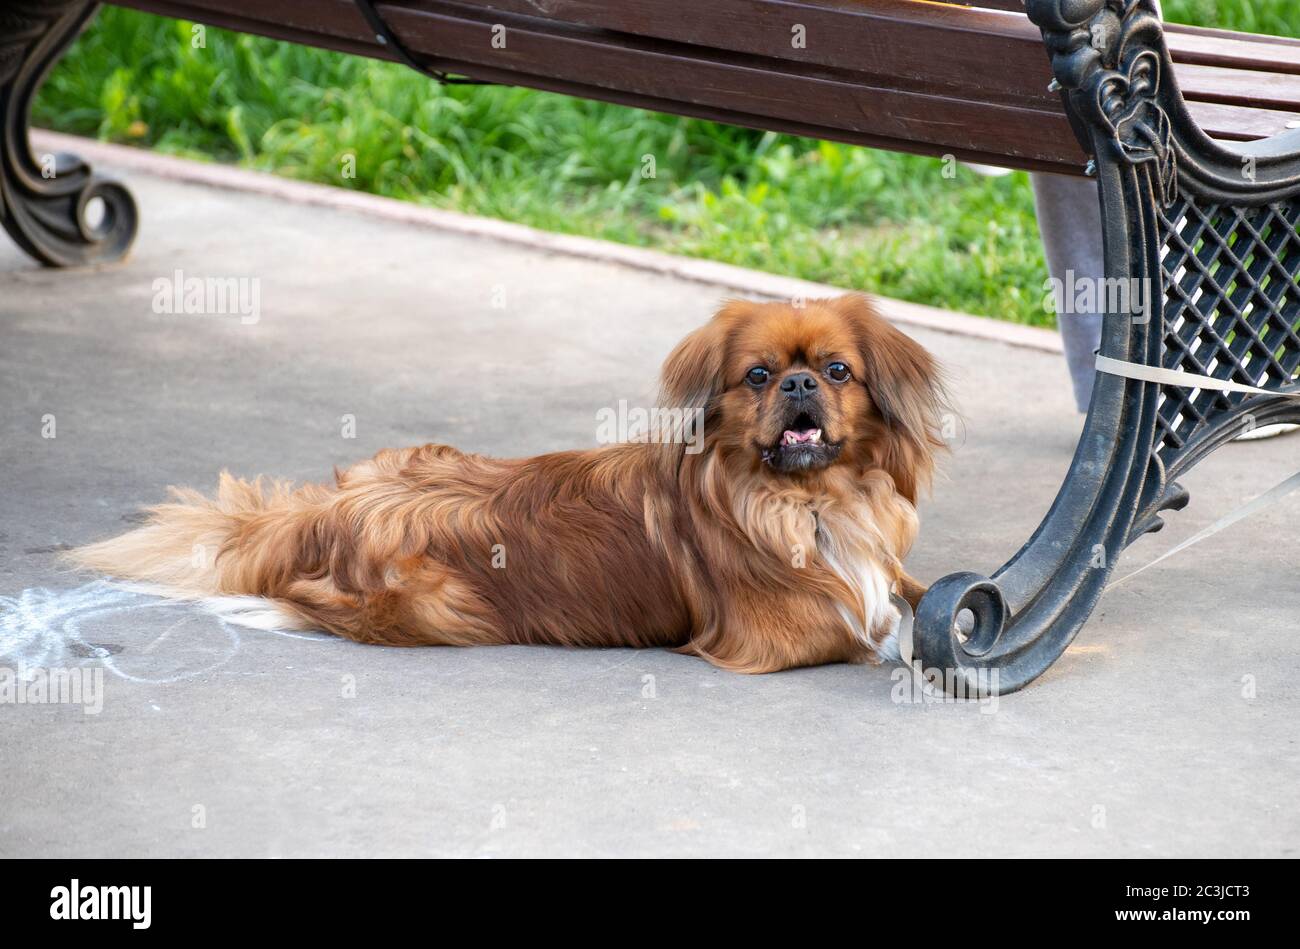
(229, 550)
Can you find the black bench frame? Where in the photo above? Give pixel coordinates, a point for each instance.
(1214, 228)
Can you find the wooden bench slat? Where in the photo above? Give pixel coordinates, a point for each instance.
(922, 45)
(926, 44)
(1237, 123)
(1266, 54)
(856, 35)
(920, 80)
(611, 64)
(1265, 90)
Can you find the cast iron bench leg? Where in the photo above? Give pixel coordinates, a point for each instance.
(1212, 233)
(47, 203)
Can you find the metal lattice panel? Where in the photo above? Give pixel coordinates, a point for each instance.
(1231, 308)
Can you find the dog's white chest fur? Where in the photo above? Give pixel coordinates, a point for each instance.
(854, 551)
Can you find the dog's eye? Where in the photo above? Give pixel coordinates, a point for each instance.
(838, 372)
(757, 376)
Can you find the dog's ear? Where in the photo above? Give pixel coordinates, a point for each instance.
(906, 385)
(692, 373)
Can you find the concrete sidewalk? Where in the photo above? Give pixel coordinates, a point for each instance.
(1167, 729)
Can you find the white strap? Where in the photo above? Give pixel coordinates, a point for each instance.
(1268, 498)
(1188, 380)
(899, 644)
(1191, 380)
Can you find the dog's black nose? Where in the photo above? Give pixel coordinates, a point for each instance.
(799, 386)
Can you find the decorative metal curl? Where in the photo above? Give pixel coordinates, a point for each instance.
(56, 209)
(1138, 126)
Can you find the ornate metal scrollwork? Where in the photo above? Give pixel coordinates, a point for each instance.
(55, 208)
(1215, 230)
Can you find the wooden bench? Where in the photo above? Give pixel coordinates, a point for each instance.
(1193, 135)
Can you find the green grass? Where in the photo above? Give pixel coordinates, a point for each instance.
(1278, 17)
(818, 210)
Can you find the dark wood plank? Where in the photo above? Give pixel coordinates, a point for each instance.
(924, 77)
(917, 42)
(922, 46)
(986, 54)
(1236, 53)
(1204, 32)
(594, 67)
(1248, 87)
(833, 102)
(1242, 124)
(941, 47)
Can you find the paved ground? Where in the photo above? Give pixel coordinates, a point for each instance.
(1142, 741)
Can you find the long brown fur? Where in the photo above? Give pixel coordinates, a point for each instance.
(644, 544)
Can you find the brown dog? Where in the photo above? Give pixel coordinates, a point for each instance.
(776, 545)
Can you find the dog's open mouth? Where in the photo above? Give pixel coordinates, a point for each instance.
(803, 446)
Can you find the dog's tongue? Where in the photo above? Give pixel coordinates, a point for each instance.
(809, 436)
